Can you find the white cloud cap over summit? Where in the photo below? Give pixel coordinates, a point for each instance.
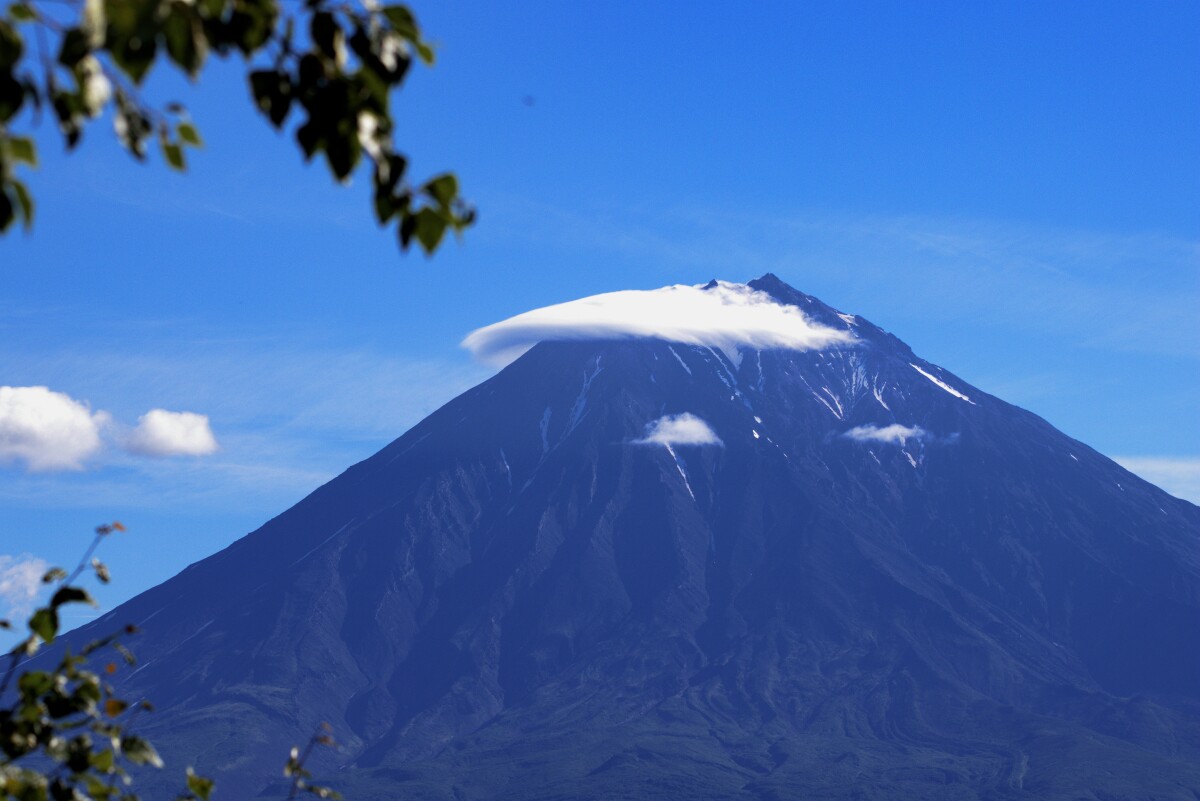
(47, 430)
(679, 429)
(726, 316)
(163, 433)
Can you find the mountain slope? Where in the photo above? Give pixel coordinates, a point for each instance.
(883, 583)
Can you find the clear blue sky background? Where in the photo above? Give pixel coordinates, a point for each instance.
(1012, 188)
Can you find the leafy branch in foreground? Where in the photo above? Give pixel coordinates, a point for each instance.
(332, 62)
(301, 777)
(69, 717)
(65, 735)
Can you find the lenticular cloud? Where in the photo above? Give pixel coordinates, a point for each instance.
(726, 316)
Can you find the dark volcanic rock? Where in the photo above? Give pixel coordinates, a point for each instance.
(514, 600)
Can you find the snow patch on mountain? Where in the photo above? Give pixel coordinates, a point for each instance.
(942, 384)
(724, 315)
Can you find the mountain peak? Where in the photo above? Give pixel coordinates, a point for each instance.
(629, 566)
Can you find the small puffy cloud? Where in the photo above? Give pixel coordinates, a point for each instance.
(163, 433)
(1180, 477)
(726, 316)
(47, 430)
(679, 429)
(20, 583)
(894, 434)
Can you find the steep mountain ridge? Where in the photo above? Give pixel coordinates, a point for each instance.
(884, 582)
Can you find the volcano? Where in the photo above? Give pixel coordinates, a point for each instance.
(655, 567)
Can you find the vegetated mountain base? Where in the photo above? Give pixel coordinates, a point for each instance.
(882, 583)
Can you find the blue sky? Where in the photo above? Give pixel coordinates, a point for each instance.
(1013, 189)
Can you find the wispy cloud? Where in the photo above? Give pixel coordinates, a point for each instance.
(679, 429)
(1180, 477)
(20, 584)
(723, 315)
(894, 434)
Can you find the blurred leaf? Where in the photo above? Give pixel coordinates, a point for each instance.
(24, 203)
(173, 153)
(44, 624)
(22, 12)
(71, 595)
(443, 189)
(103, 761)
(140, 752)
(101, 570)
(185, 40)
(188, 134)
(402, 20)
(35, 682)
(54, 574)
(11, 46)
(199, 786)
(75, 46)
(428, 227)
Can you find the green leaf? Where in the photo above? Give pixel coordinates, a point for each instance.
(35, 683)
(22, 149)
(140, 752)
(21, 12)
(104, 761)
(12, 96)
(405, 24)
(429, 229)
(443, 189)
(71, 595)
(200, 786)
(402, 20)
(272, 92)
(7, 211)
(24, 204)
(185, 40)
(44, 623)
(325, 34)
(342, 152)
(132, 36)
(11, 46)
(251, 24)
(188, 134)
(74, 48)
(174, 156)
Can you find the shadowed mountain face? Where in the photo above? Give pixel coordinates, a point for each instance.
(884, 583)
